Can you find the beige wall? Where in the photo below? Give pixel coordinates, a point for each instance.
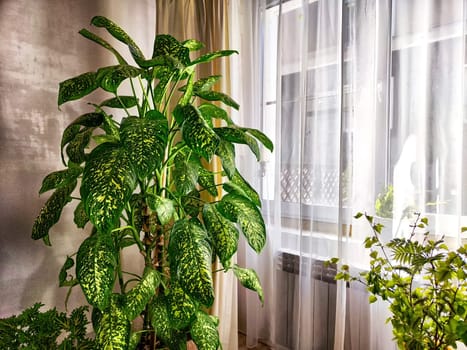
(39, 47)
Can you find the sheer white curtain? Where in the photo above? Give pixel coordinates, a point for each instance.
(362, 97)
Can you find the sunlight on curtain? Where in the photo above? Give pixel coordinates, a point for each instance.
(362, 98)
(208, 22)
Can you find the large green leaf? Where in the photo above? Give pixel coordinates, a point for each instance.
(205, 84)
(190, 260)
(77, 87)
(241, 210)
(113, 332)
(240, 186)
(171, 50)
(60, 178)
(107, 184)
(211, 111)
(185, 173)
(164, 208)
(111, 77)
(196, 132)
(180, 307)
(175, 340)
(165, 75)
(226, 152)
(120, 102)
(217, 96)
(75, 149)
(140, 295)
(207, 181)
(204, 332)
(223, 233)
(145, 141)
(237, 135)
(98, 40)
(249, 279)
(192, 203)
(261, 137)
(212, 56)
(51, 211)
(95, 269)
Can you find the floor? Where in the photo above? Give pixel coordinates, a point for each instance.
(242, 346)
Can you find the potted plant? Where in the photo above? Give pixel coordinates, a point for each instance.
(145, 180)
(424, 283)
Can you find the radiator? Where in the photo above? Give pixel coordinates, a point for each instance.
(318, 312)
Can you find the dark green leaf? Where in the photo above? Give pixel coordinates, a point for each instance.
(204, 332)
(51, 211)
(174, 339)
(113, 332)
(171, 51)
(190, 259)
(223, 233)
(95, 267)
(185, 174)
(240, 186)
(98, 40)
(68, 135)
(60, 178)
(120, 102)
(212, 56)
(226, 151)
(154, 114)
(164, 75)
(110, 78)
(237, 135)
(140, 295)
(107, 184)
(164, 208)
(244, 212)
(249, 279)
(261, 137)
(180, 307)
(75, 149)
(192, 44)
(210, 111)
(80, 218)
(192, 203)
(145, 141)
(217, 96)
(206, 180)
(63, 277)
(77, 87)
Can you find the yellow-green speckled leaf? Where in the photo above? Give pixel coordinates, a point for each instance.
(240, 186)
(95, 266)
(111, 77)
(107, 184)
(204, 332)
(80, 218)
(174, 339)
(51, 211)
(138, 297)
(77, 87)
(240, 209)
(190, 260)
(226, 152)
(113, 331)
(120, 102)
(211, 111)
(185, 174)
(60, 178)
(171, 50)
(76, 147)
(145, 141)
(207, 181)
(180, 307)
(223, 233)
(238, 135)
(164, 208)
(249, 279)
(196, 132)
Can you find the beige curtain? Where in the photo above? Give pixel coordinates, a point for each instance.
(207, 21)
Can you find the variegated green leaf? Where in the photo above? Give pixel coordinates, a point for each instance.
(98, 40)
(77, 87)
(210, 111)
(180, 307)
(120, 102)
(174, 339)
(226, 152)
(135, 338)
(237, 135)
(60, 178)
(240, 186)
(75, 149)
(140, 295)
(165, 75)
(249, 279)
(113, 332)
(197, 134)
(154, 114)
(241, 210)
(107, 184)
(205, 84)
(171, 50)
(111, 77)
(51, 211)
(164, 208)
(192, 44)
(218, 96)
(64, 279)
(192, 203)
(145, 141)
(185, 174)
(190, 259)
(223, 233)
(95, 269)
(261, 137)
(206, 180)
(204, 332)
(212, 56)
(69, 134)
(80, 218)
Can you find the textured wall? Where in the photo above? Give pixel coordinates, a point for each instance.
(40, 47)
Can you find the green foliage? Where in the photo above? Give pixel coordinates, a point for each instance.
(144, 164)
(51, 329)
(423, 281)
(384, 202)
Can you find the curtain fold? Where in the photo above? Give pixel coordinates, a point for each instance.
(208, 22)
(365, 102)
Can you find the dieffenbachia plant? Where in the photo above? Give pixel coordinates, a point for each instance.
(145, 179)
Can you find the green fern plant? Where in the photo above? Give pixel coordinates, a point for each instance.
(423, 281)
(145, 180)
